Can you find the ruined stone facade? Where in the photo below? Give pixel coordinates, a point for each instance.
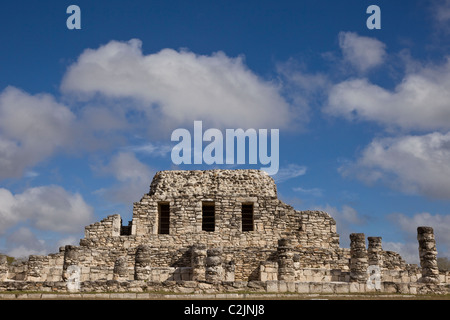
(223, 230)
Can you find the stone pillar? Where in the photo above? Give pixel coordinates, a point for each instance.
(428, 254)
(358, 258)
(214, 270)
(286, 270)
(3, 268)
(142, 262)
(70, 259)
(116, 225)
(375, 252)
(198, 262)
(120, 271)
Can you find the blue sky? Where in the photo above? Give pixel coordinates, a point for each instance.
(86, 115)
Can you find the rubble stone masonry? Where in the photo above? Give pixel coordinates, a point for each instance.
(222, 230)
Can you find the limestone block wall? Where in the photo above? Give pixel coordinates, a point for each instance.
(271, 217)
(45, 268)
(316, 257)
(268, 271)
(177, 184)
(98, 264)
(247, 262)
(404, 276)
(185, 192)
(285, 245)
(36, 268)
(318, 229)
(3, 268)
(108, 227)
(17, 271)
(444, 277)
(393, 261)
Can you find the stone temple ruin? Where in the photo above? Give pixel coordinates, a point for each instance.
(224, 231)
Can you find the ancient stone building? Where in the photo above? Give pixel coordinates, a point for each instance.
(223, 230)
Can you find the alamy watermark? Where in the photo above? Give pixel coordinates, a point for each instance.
(374, 21)
(190, 149)
(74, 20)
(374, 279)
(73, 280)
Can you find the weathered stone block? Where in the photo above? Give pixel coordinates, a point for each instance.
(342, 287)
(315, 287)
(328, 287)
(390, 287)
(272, 286)
(302, 287)
(354, 287)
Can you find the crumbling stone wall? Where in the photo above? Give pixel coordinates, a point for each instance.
(108, 227)
(286, 246)
(185, 192)
(3, 268)
(45, 268)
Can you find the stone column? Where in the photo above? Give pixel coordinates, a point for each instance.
(358, 258)
(70, 261)
(286, 270)
(120, 271)
(116, 225)
(142, 262)
(375, 252)
(198, 262)
(428, 254)
(214, 270)
(71, 270)
(3, 267)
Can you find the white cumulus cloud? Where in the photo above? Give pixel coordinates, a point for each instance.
(412, 164)
(363, 53)
(440, 10)
(49, 208)
(24, 242)
(315, 192)
(421, 101)
(178, 87)
(32, 128)
(290, 171)
(133, 177)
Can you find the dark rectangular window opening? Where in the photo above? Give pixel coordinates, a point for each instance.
(208, 216)
(164, 218)
(247, 217)
(125, 230)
